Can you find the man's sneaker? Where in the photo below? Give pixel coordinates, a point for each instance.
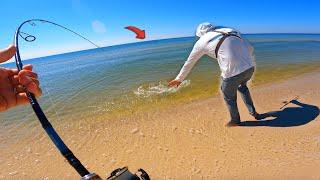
(232, 124)
(258, 116)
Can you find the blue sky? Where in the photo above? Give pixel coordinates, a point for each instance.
(104, 21)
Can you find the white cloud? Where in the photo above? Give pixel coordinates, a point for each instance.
(98, 26)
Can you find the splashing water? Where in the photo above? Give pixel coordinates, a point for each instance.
(159, 89)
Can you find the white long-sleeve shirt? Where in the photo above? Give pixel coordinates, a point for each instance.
(235, 55)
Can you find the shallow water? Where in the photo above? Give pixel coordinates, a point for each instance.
(128, 78)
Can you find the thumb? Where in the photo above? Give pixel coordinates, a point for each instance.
(7, 53)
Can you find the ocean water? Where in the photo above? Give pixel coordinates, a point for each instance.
(124, 79)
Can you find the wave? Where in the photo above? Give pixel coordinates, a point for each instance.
(159, 89)
(281, 40)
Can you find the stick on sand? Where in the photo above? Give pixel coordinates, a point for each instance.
(288, 102)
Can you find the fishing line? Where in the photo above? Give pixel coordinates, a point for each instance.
(54, 104)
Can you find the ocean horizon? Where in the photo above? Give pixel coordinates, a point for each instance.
(172, 38)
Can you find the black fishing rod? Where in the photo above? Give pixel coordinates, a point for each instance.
(118, 174)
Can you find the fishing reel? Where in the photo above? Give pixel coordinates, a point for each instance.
(120, 174)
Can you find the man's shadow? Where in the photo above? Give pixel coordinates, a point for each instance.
(288, 117)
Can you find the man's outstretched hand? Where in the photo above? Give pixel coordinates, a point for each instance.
(174, 83)
(12, 82)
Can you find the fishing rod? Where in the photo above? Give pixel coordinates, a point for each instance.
(118, 174)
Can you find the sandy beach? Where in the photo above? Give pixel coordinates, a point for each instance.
(137, 84)
(189, 141)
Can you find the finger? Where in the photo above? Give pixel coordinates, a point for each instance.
(28, 73)
(7, 53)
(176, 84)
(3, 72)
(28, 67)
(12, 72)
(14, 80)
(29, 80)
(32, 86)
(20, 89)
(22, 98)
(36, 81)
(34, 89)
(25, 80)
(172, 84)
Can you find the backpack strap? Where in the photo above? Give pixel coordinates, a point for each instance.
(225, 35)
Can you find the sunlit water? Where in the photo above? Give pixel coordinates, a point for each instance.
(133, 77)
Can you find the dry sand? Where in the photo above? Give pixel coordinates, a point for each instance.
(188, 141)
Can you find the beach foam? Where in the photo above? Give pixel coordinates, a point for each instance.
(159, 89)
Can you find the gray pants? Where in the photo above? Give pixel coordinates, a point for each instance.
(229, 87)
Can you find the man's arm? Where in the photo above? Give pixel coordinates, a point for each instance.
(193, 58)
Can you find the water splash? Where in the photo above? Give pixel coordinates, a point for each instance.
(159, 89)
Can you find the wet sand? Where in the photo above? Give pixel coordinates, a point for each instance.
(188, 141)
